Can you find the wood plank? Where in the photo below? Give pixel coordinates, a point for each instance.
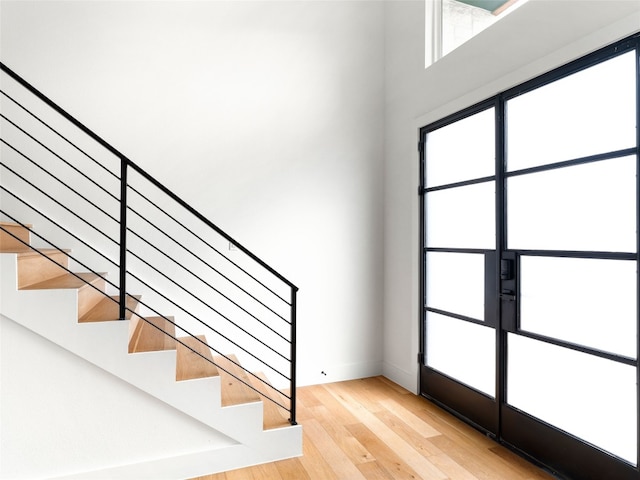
(108, 309)
(242, 474)
(10, 244)
(267, 470)
(374, 471)
(440, 419)
(153, 334)
(475, 460)
(389, 460)
(34, 267)
(413, 430)
(65, 281)
(90, 288)
(410, 456)
(234, 391)
(409, 418)
(292, 469)
(214, 476)
(273, 415)
(190, 365)
(317, 437)
(337, 430)
(421, 444)
(324, 395)
(457, 450)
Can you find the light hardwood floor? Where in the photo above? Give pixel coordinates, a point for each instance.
(374, 429)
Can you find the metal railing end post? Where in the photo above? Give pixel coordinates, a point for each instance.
(123, 239)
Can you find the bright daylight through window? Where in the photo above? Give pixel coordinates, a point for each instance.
(453, 22)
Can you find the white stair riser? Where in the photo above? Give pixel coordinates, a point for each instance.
(53, 313)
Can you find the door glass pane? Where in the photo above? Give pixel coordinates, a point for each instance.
(462, 217)
(463, 150)
(462, 350)
(589, 112)
(584, 207)
(587, 396)
(590, 302)
(455, 283)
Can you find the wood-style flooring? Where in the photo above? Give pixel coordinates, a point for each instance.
(374, 429)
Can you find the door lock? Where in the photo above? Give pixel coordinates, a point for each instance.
(506, 269)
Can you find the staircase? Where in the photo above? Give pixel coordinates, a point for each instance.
(142, 291)
(71, 309)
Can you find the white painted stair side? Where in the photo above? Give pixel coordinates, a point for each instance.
(53, 315)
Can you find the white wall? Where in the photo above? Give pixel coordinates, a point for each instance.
(539, 36)
(266, 116)
(51, 427)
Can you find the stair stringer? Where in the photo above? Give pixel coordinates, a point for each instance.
(53, 314)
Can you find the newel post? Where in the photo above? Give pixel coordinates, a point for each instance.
(292, 420)
(123, 238)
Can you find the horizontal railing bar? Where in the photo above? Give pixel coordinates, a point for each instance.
(212, 267)
(210, 307)
(61, 159)
(203, 241)
(207, 325)
(164, 189)
(247, 372)
(53, 130)
(207, 222)
(220, 367)
(55, 178)
(59, 226)
(201, 279)
(56, 201)
(216, 351)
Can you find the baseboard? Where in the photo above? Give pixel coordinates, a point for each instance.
(183, 466)
(408, 380)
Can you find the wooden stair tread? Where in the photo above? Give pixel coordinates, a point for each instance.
(190, 365)
(148, 338)
(12, 236)
(77, 280)
(234, 392)
(15, 249)
(274, 416)
(46, 251)
(108, 309)
(37, 266)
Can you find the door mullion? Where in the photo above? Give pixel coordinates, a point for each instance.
(501, 238)
(638, 253)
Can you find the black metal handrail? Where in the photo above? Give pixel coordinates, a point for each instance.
(125, 251)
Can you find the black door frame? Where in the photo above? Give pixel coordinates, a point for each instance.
(542, 443)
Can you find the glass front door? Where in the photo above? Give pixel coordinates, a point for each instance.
(530, 266)
(460, 246)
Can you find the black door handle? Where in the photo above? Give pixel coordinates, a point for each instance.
(508, 295)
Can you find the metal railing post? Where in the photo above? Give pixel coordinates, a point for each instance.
(123, 238)
(292, 412)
